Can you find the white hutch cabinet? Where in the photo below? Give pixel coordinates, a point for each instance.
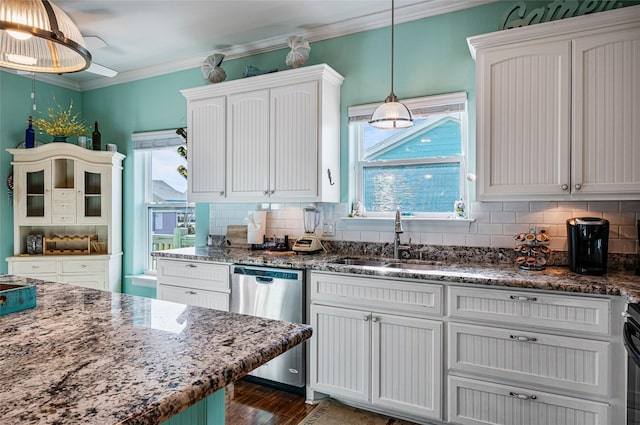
(273, 137)
(555, 106)
(68, 205)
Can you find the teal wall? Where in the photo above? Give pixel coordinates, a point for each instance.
(431, 57)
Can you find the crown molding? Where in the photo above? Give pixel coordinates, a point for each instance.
(408, 13)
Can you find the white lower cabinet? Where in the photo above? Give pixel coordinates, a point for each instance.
(91, 271)
(387, 359)
(199, 283)
(522, 357)
(475, 402)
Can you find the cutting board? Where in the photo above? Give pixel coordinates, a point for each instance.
(237, 236)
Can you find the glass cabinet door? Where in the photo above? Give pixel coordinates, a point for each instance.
(33, 193)
(92, 183)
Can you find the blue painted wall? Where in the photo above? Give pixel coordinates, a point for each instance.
(432, 57)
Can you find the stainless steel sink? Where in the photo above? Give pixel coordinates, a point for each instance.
(360, 262)
(411, 266)
(383, 264)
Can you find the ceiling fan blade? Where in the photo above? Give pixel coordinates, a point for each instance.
(94, 68)
(94, 42)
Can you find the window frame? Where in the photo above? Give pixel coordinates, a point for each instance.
(144, 144)
(418, 106)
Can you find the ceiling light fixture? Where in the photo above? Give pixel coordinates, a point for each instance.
(37, 36)
(391, 114)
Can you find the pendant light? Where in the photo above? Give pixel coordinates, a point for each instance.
(37, 36)
(391, 114)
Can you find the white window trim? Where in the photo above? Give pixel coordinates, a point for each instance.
(416, 105)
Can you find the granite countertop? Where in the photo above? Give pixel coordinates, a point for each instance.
(94, 357)
(555, 278)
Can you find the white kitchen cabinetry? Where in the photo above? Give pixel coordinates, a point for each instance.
(554, 104)
(203, 284)
(371, 346)
(70, 197)
(517, 357)
(278, 134)
(207, 149)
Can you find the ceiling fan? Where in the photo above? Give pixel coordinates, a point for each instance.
(93, 43)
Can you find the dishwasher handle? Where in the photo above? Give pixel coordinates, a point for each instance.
(264, 280)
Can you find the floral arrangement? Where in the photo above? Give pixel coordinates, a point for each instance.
(62, 122)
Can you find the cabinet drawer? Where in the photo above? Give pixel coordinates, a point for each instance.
(569, 313)
(63, 195)
(199, 297)
(531, 357)
(473, 402)
(24, 268)
(194, 275)
(84, 266)
(86, 281)
(63, 208)
(383, 294)
(63, 219)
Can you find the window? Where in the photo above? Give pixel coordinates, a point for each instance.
(420, 169)
(169, 220)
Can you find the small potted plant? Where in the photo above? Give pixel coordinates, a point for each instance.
(61, 123)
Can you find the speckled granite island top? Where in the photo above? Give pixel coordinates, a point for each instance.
(553, 278)
(84, 356)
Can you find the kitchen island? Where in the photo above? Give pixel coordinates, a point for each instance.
(85, 356)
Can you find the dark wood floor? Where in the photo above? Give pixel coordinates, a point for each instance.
(254, 404)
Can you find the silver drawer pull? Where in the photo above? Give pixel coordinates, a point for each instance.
(191, 266)
(522, 396)
(522, 298)
(191, 292)
(523, 338)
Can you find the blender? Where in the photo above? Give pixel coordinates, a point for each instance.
(309, 242)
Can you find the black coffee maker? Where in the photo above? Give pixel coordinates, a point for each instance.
(588, 239)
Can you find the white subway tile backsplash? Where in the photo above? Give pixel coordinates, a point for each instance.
(494, 225)
(503, 217)
(543, 206)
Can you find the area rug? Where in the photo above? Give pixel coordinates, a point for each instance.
(332, 412)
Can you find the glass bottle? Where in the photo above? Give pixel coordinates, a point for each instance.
(29, 135)
(95, 137)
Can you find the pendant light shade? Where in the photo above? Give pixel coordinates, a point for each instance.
(37, 36)
(391, 114)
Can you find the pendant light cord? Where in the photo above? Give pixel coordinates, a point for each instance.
(392, 44)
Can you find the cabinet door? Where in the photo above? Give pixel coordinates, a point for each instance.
(93, 194)
(197, 297)
(523, 132)
(248, 145)
(407, 365)
(294, 138)
(207, 149)
(32, 193)
(606, 152)
(340, 348)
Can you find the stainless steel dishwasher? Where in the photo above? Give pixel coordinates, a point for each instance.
(273, 294)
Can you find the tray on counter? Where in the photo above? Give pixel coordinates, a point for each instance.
(15, 297)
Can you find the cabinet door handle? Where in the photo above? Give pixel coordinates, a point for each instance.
(523, 338)
(522, 298)
(564, 187)
(272, 192)
(191, 266)
(522, 396)
(222, 193)
(375, 319)
(366, 318)
(191, 292)
(265, 193)
(578, 186)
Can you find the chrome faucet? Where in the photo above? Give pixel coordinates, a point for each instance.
(398, 231)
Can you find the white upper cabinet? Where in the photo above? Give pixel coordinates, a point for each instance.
(278, 135)
(557, 109)
(207, 148)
